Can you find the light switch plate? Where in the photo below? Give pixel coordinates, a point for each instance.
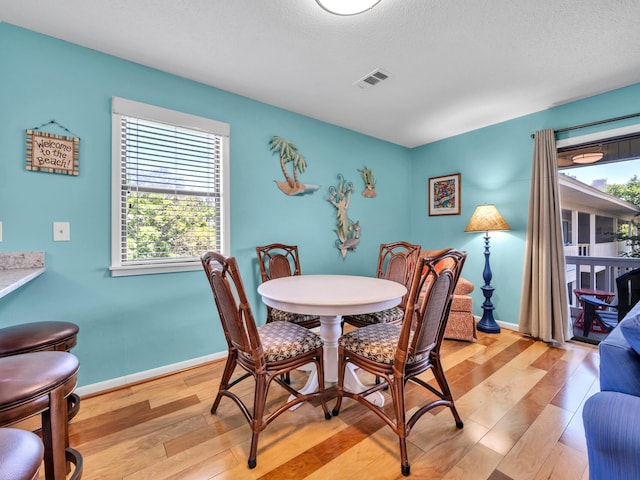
(0, 231)
(61, 232)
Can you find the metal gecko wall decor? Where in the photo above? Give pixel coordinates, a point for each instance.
(347, 230)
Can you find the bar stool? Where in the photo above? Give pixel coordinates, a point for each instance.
(20, 454)
(39, 383)
(41, 336)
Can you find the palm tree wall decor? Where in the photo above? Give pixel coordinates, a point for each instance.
(289, 154)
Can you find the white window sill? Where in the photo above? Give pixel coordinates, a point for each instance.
(152, 269)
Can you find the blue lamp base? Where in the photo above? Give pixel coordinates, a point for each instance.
(487, 323)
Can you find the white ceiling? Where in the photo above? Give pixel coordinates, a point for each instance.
(455, 65)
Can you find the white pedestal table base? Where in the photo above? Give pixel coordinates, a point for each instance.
(330, 331)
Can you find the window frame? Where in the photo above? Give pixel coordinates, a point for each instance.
(122, 107)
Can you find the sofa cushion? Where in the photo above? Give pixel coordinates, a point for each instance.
(619, 363)
(630, 327)
(462, 303)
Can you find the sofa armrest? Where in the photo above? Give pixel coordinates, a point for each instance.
(612, 429)
(619, 364)
(463, 287)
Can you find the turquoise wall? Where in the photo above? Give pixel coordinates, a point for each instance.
(495, 164)
(133, 324)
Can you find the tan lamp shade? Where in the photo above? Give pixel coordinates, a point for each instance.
(485, 218)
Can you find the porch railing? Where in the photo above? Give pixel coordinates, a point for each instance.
(596, 272)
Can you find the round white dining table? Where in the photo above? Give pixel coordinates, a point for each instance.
(330, 297)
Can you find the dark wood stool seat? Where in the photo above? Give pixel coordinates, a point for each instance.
(37, 336)
(39, 383)
(20, 454)
(41, 336)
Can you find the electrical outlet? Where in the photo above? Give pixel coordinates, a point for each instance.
(61, 232)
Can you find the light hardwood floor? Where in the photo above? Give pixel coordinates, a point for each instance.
(520, 400)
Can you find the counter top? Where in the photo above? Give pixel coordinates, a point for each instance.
(18, 268)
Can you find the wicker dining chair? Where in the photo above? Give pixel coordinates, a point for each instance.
(395, 262)
(400, 353)
(265, 353)
(279, 260)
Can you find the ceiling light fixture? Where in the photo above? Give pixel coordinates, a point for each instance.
(585, 158)
(347, 7)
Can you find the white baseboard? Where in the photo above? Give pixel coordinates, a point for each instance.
(501, 324)
(146, 375)
(507, 325)
(176, 367)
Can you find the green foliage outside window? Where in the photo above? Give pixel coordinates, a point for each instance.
(630, 192)
(169, 225)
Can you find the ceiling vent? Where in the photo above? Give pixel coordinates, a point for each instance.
(372, 78)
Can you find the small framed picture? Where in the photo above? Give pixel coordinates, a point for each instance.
(444, 195)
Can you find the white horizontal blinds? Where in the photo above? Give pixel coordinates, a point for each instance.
(170, 192)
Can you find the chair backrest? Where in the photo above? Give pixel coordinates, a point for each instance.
(278, 260)
(628, 285)
(239, 326)
(396, 262)
(428, 304)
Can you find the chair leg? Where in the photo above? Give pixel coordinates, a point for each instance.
(397, 389)
(55, 436)
(257, 424)
(438, 373)
(320, 373)
(588, 317)
(224, 381)
(341, 367)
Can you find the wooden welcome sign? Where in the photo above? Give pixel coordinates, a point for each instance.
(47, 152)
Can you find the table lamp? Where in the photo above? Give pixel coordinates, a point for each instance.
(485, 218)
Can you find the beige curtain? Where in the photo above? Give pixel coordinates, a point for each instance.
(544, 308)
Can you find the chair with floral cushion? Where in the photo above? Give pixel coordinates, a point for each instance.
(279, 260)
(400, 353)
(395, 262)
(265, 353)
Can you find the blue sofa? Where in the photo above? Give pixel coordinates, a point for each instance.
(612, 416)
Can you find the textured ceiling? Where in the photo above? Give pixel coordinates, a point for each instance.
(454, 65)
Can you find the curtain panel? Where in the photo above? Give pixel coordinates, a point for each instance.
(544, 308)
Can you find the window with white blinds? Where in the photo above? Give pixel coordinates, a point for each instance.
(170, 198)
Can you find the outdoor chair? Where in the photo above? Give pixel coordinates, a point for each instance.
(610, 314)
